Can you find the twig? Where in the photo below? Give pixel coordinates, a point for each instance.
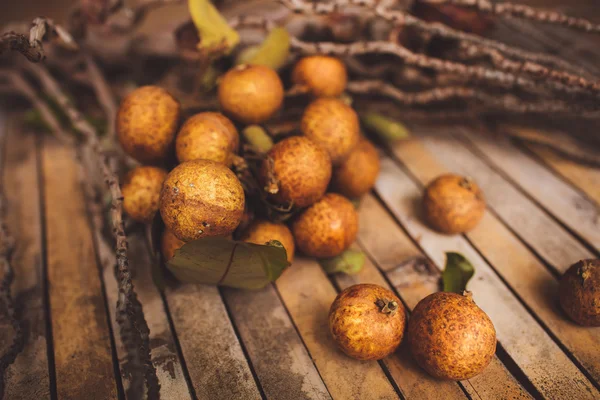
(437, 95)
(104, 94)
(133, 327)
(523, 11)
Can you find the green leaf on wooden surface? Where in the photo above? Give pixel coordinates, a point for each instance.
(386, 128)
(457, 273)
(226, 262)
(272, 52)
(349, 262)
(212, 28)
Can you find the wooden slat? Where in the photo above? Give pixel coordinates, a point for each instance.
(213, 355)
(162, 345)
(282, 363)
(559, 198)
(546, 366)
(27, 378)
(308, 294)
(547, 237)
(80, 331)
(531, 280)
(414, 277)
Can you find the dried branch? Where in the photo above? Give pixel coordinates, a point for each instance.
(134, 329)
(523, 11)
(31, 47)
(438, 95)
(103, 93)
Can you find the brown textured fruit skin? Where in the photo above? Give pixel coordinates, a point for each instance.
(250, 93)
(357, 174)
(261, 232)
(141, 192)
(332, 125)
(302, 169)
(324, 76)
(579, 292)
(168, 244)
(207, 136)
(453, 204)
(201, 198)
(450, 336)
(326, 228)
(146, 124)
(360, 327)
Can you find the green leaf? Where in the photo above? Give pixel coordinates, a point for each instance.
(272, 52)
(349, 262)
(212, 28)
(386, 128)
(457, 273)
(256, 136)
(225, 262)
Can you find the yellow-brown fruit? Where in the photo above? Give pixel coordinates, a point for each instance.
(450, 336)
(357, 174)
(201, 198)
(261, 232)
(301, 169)
(250, 93)
(207, 136)
(367, 321)
(579, 292)
(324, 76)
(326, 228)
(147, 122)
(141, 192)
(453, 204)
(168, 244)
(332, 125)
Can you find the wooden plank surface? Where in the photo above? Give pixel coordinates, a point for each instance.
(308, 294)
(162, 343)
(80, 332)
(28, 377)
(213, 355)
(543, 362)
(282, 363)
(415, 277)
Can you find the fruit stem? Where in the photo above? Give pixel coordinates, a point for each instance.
(349, 262)
(387, 306)
(386, 128)
(272, 184)
(258, 138)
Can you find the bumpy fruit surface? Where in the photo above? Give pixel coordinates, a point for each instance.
(147, 121)
(326, 228)
(453, 204)
(332, 125)
(207, 136)
(324, 76)
(367, 321)
(302, 171)
(168, 244)
(357, 174)
(262, 232)
(579, 292)
(201, 198)
(450, 336)
(250, 93)
(141, 192)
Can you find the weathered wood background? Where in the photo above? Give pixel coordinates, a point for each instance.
(212, 343)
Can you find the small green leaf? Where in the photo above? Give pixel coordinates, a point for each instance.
(212, 28)
(272, 52)
(225, 262)
(386, 128)
(457, 273)
(349, 262)
(258, 138)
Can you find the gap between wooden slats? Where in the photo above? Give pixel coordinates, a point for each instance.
(544, 363)
(28, 377)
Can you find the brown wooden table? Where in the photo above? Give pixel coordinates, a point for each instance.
(214, 343)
